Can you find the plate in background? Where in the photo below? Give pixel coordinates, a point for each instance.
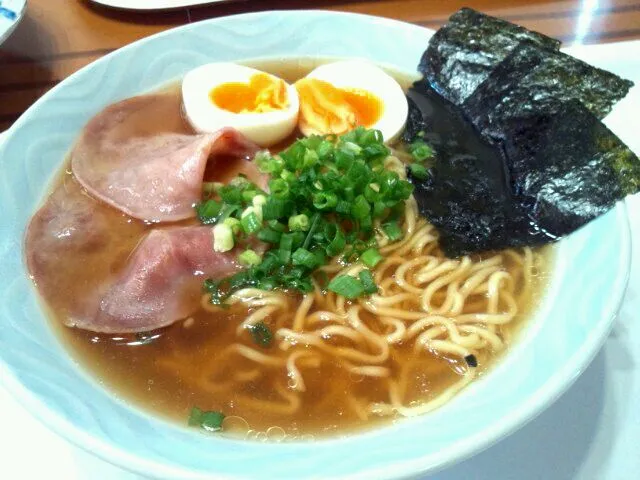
(156, 4)
(11, 12)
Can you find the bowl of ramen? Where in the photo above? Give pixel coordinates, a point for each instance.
(241, 246)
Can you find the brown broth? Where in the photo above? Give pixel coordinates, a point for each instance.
(160, 371)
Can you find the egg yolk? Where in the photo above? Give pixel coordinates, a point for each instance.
(263, 93)
(325, 108)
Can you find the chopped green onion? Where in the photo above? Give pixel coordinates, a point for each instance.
(325, 200)
(299, 223)
(249, 194)
(249, 258)
(250, 222)
(234, 224)
(346, 286)
(371, 257)
(368, 283)
(371, 136)
(304, 257)
(211, 187)
(275, 208)
(418, 171)
(420, 150)
(276, 225)
(310, 158)
(210, 285)
(230, 194)
(335, 236)
(267, 284)
(240, 181)
(343, 207)
(209, 420)
(298, 239)
(261, 334)
(393, 231)
(269, 235)
(268, 164)
(227, 211)
(324, 194)
(278, 187)
(286, 245)
(379, 209)
(366, 224)
(259, 201)
(352, 147)
(222, 238)
(208, 211)
(360, 208)
(375, 150)
(288, 176)
(315, 222)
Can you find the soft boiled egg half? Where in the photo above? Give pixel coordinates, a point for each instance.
(261, 106)
(339, 96)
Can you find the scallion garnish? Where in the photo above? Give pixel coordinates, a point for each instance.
(371, 257)
(269, 235)
(325, 196)
(250, 222)
(368, 283)
(347, 286)
(299, 223)
(392, 230)
(222, 238)
(420, 150)
(207, 420)
(261, 334)
(304, 257)
(208, 211)
(418, 171)
(249, 257)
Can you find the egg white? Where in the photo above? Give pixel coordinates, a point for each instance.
(265, 129)
(363, 75)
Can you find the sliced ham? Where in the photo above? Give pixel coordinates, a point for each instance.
(162, 281)
(135, 156)
(99, 270)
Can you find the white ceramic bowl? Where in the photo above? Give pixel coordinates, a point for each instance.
(588, 283)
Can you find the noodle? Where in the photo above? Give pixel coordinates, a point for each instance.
(444, 307)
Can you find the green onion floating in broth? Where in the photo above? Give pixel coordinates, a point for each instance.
(207, 420)
(261, 334)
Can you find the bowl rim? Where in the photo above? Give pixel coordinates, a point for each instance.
(482, 439)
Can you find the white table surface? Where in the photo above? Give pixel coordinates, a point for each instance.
(591, 432)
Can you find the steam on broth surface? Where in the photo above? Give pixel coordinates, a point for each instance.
(332, 364)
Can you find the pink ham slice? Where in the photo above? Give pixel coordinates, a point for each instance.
(82, 256)
(162, 281)
(132, 156)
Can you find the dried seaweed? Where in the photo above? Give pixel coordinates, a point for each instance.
(462, 53)
(467, 195)
(524, 159)
(578, 172)
(546, 178)
(532, 82)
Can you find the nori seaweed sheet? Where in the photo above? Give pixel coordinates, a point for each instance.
(576, 174)
(467, 195)
(532, 82)
(462, 53)
(524, 159)
(566, 176)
